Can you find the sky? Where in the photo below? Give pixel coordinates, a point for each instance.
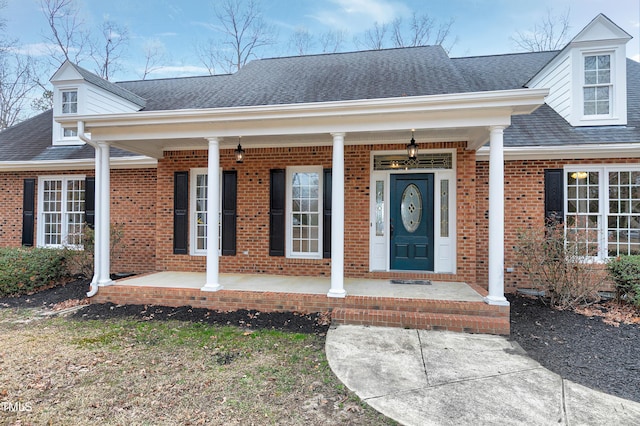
(481, 27)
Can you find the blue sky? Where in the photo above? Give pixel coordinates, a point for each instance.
(481, 27)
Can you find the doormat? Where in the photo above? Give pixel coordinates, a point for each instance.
(420, 282)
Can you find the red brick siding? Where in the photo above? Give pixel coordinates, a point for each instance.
(132, 206)
(524, 208)
(253, 211)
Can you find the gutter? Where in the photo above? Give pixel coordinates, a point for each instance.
(93, 290)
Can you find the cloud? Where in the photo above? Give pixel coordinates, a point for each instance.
(35, 49)
(358, 15)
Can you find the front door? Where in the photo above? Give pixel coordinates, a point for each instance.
(411, 222)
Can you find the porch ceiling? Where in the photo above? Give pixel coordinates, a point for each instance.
(457, 117)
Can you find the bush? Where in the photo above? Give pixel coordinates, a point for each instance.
(25, 270)
(561, 269)
(625, 272)
(80, 260)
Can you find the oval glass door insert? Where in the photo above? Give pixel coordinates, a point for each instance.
(411, 208)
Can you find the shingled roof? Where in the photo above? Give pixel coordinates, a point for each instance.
(371, 74)
(376, 74)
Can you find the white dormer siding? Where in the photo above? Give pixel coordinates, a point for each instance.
(90, 99)
(584, 92)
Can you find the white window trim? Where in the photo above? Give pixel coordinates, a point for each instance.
(610, 85)
(618, 87)
(289, 212)
(193, 179)
(69, 90)
(40, 215)
(603, 213)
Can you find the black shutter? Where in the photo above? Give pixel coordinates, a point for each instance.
(326, 215)
(553, 196)
(180, 212)
(276, 212)
(229, 202)
(28, 210)
(90, 201)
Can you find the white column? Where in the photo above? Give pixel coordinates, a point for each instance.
(213, 208)
(337, 218)
(104, 218)
(496, 218)
(97, 235)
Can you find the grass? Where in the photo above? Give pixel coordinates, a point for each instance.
(130, 372)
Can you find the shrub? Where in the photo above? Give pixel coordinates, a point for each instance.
(80, 260)
(25, 270)
(625, 272)
(561, 269)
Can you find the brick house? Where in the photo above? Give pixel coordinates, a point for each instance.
(390, 164)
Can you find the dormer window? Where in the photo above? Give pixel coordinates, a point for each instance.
(69, 132)
(597, 85)
(70, 102)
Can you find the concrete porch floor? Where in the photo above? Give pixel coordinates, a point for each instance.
(452, 291)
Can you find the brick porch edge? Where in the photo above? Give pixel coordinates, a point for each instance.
(469, 317)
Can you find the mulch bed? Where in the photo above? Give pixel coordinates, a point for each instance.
(581, 348)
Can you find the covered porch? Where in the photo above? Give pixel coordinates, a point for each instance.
(422, 304)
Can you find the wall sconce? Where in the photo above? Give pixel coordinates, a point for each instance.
(239, 152)
(412, 148)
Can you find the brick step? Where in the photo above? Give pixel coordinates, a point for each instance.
(422, 320)
(480, 309)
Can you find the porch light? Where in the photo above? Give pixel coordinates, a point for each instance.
(239, 152)
(412, 148)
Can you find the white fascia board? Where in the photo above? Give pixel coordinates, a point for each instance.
(567, 152)
(518, 101)
(137, 162)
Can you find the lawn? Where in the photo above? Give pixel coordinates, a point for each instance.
(61, 370)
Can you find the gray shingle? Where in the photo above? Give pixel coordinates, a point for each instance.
(109, 87)
(344, 76)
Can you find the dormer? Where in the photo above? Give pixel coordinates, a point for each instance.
(77, 91)
(588, 78)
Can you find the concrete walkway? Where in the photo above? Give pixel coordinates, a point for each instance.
(419, 377)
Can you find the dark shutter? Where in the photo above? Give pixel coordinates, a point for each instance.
(276, 212)
(28, 210)
(553, 196)
(90, 201)
(180, 212)
(229, 202)
(326, 215)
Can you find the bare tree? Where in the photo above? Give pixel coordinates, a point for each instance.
(154, 56)
(209, 54)
(374, 37)
(108, 50)
(422, 30)
(301, 41)
(331, 41)
(16, 84)
(69, 38)
(244, 33)
(551, 33)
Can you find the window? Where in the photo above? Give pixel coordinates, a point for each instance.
(69, 132)
(199, 196)
(70, 102)
(62, 211)
(603, 210)
(304, 212)
(597, 85)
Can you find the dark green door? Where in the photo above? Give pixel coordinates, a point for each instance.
(411, 222)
